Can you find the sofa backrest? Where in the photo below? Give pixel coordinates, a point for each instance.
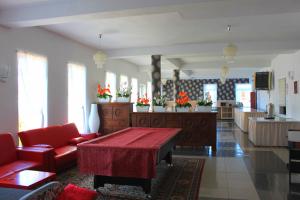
(8, 152)
(56, 136)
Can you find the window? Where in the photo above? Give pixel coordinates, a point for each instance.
(77, 96)
(32, 91)
(143, 90)
(134, 90)
(111, 80)
(242, 94)
(149, 90)
(210, 92)
(123, 82)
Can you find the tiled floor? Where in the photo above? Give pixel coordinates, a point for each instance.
(238, 170)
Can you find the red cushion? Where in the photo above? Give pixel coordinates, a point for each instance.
(8, 152)
(77, 140)
(32, 137)
(17, 166)
(70, 130)
(65, 155)
(73, 192)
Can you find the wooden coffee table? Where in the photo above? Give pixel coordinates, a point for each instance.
(26, 179)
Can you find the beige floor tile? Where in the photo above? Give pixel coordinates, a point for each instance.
(214, 192)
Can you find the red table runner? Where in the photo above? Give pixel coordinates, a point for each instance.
(131, 152)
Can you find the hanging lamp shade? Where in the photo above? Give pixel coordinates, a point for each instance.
(224, 74)
(230, 51)
(100, 59)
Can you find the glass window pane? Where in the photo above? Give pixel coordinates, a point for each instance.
(32, 91)
(123, 82)
(134, 90)
(77, 96)
(211, 92)
(149, 90)
(242, 94)
(143, 90)
(111, 80)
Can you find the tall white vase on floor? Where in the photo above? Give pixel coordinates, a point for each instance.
(94, 120)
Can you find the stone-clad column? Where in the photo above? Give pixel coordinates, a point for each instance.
(156, 75)
(176, 83)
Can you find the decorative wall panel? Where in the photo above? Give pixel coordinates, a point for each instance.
(194, 88)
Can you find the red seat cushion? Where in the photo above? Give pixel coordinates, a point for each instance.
(17, 166)
(77, 140)
(65, 155)
(73, 192)
(70, 131)
(8, 152)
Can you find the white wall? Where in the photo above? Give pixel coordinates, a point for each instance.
(281, 65)
(59, 52)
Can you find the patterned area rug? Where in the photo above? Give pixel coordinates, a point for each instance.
(179, 182)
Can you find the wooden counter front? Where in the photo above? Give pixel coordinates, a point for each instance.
(198, 128)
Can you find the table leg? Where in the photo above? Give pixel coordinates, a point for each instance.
(168, 158)
(98, 182)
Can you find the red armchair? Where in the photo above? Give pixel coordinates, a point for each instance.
(13, 159)
(62, 139)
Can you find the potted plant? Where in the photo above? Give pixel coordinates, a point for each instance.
(123, 95)
(182, 103)
(204, 105)
(159, 104)
(103, 94)
(142, 104)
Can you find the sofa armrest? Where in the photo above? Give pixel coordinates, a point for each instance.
(45, 156)
(90, 136)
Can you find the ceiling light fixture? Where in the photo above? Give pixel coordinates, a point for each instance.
(230, 50)
(100, 57)
(224, 74)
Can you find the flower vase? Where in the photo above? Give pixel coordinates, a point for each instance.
(203, 109)
(103, 100)
(182, 109)
(159, 109)
(123, 99)
(142, 108)
(94, 119)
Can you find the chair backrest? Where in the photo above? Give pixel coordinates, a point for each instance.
(8, 152)
(56, 136)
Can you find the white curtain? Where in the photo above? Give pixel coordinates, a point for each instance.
(134, 90)
(77, 96)
(32, 91)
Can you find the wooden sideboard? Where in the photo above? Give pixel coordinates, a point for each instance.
(198, 128)
(114, 116)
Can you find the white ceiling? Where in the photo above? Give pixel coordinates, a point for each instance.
(190, 34)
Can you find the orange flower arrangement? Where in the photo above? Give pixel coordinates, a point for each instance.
(143, 101)
(103, 93)
(183, 100)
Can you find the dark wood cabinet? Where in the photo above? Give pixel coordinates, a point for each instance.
(114, 116)
(198, 129)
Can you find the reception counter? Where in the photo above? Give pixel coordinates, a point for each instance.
(271, 132)
(198, 128)
(241, 117)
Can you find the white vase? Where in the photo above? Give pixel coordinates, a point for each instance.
(94, 120)
(103, 100)
(159, 109)
(203, 109)
(142, 108)
(182, 109)
(123, 99)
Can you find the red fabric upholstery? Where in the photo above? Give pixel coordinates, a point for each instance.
(73, 192)
(58, 137)
(77, 140)
(14, 159)
(17, 166)
(131, 152)
(8, 151)
(90, 136)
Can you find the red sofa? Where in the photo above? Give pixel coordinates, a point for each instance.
(15, 159)
(62, 139)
